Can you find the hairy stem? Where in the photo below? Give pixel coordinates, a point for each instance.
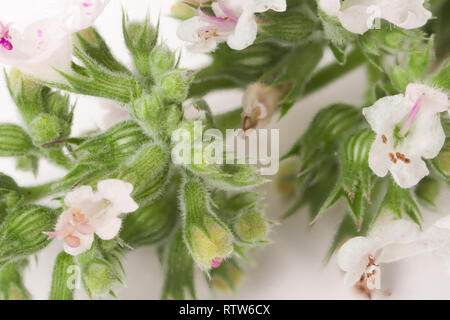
(35, 193)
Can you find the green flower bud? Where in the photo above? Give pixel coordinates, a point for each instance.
(11, 284)
(148, 109)
(47, 128)
(174, 86)
(183, 11)
(210, 246)
(226, 277)
(98, 278)
(172, 118)
(20, 83)
(428, 190)
(250, 226)
(147, 171)
(22, 232)
(208, 239)
(14, 141)
(140, 39)
(162, 60)
(89, 35)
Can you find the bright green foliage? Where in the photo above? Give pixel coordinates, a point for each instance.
(179, 270)
(21, 233)
(64, 278)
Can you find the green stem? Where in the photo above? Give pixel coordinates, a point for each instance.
(37, 192)
(334, 71)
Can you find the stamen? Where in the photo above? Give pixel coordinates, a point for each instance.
(412, 116)
(383, 137)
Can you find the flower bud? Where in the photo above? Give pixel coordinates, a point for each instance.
(47, 128)
(140, 39)
(174, 87)
(227, 277)
(99, 278)
(209, 240)
(250, 226)
(172, 118)
(183, 11)
(14, 141)
(212, 245)
(17, 82)
(148, 110)
(23, 232)
(147, 172)
(11, 284)
(162, 60)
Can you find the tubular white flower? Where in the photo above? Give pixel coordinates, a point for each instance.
(81, 14)
(357, 16)
(45, 47)
(234, 22)
(408, 129)
(93, 212)
(359, 257)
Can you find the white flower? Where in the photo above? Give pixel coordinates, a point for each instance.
(81, 14)
(93, 212)
(408, 128)
(45, 47)
(360, 257)
(358, 16)
(234, 22)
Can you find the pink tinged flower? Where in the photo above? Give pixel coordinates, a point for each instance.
(92, 213)
(408, 129)
(39, 51)
(216, 262)
(358, 16)
(233, 22)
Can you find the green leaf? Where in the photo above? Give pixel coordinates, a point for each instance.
(21, 234)
(14, 141)
(178, 270)
(61, 288)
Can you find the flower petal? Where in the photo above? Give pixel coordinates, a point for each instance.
(330, 7)
(109, 229)
(245, 32)
(352, 257)
(265, 5)
(386, 113)
(118, 193)
(85, 244)
(379, 160)
(405, 14)
(407, 175)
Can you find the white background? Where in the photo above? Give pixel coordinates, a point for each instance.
(290, 268)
